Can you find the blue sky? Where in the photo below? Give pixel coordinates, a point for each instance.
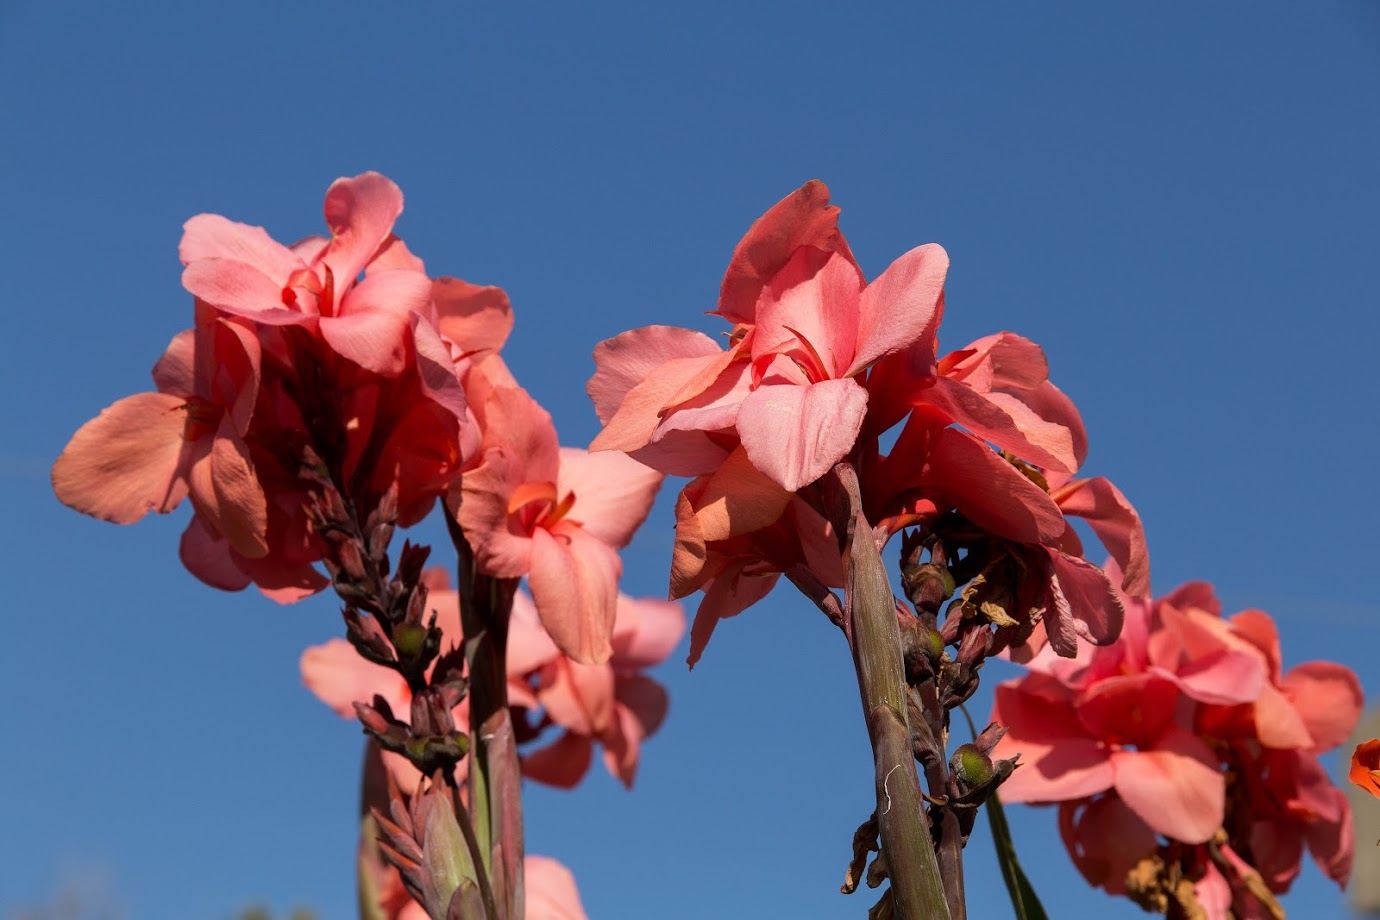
(1178, 200)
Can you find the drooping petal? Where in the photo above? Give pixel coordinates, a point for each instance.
(562, 764)
(990, 491)
(737, 499)
(1084, 599)
(550, 891)
(175, 372)
(241, 507)
(1329, 698)
(339, 677)
(626, 360)
(1059, 760)
(400, 292)
(207, 555)
(1005, 422)
(729, 594)
(574, 583)
(646, 632)
(1116, 524)
(795, 434)
(1105, 839)
(901, 308)
(529, 646)
(501, 547)
(578, 696)
(803, 218)
(623, 745)
(613, 493)
(1177, 788)
(126, 461)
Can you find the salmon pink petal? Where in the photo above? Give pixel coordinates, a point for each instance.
(1105, 839)
(501, 547)
(373, 339)
(1050, 403)
(399, 292)
(729, 594)
(240, 290)
(1072, 769)
(208, 556)
(640, 411)
(562, 763)
(394, 256)
(340, 678)
(622, 746)
(126, 461)
(901, 307)
(529, 647)
(646, 632)
(1329, 698)
(795, 435)
(1116, 524)
(1278, 722)
(1331, 841)
(477, 319)
(1202, 656)
(1084, 601)
(574, 583)
(685, 453)
(644, 699)
(360, 213)
(803, 218)
(737, 499)
(1005, 422)
(241, 507)
(175, 372)
(1255, 626)
(990, 491)
(551, 892)
(210, 236)
(690, 555)
(1177, 788)
(811, 311)
(713, 410)
(1131, 708)
(613, 493)
(626, 360)
(578, 696)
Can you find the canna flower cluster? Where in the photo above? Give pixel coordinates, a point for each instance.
(333, 345)
(613, 704)
(820, 363)
(1185, 763)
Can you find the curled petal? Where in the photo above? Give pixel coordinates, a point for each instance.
(729, 594)
(360, 213)
(737, 499)
(646, 632)
(1116, 524)
(374, 339)
(477, 319)
(626, 360)
(990, 491)
(210, 236)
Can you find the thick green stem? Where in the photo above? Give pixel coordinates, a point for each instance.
(916, 889)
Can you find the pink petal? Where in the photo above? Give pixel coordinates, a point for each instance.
(550, 891)
(126, 461)
(360, 213)
(1084, 600)
(529, 647)
(400, 292)
(645, 700)
(578, 696)
(613, 493)
(242, 509)
(1059, 760)
(208, 556)
(340, 678)
(645, 632)
(989, 491)
(1177, 788)
(729, 594)
(1278, 723)
(1116, 524)
(901, 307)
(640, 411)
(1329, 698)
(574, 582)
(1206, 660)
(501, 547)
(376, 340)
(738, 499)
(803, 218)
(811, 311)
(477, 319)
(684, 453)
(562, 764)
(239, 289)
(1004, 421)
(622, 747)
(795, 435)
(1128, 709)
(1330, 841)
(1105, 840)
(210, 236)
(626, 360)
(175, 372)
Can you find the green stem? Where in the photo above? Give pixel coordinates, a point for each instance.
(916, 889)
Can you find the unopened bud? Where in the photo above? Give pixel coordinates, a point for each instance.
(971, 768)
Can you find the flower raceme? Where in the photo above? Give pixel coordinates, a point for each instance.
(341, 345)
(819, 364)
(1185, 730)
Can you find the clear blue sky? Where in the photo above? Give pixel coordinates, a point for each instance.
(1178, 200)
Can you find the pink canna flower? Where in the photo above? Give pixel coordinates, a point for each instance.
(613, 703)
(242, 271)
(787, 389)
(557, 515)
